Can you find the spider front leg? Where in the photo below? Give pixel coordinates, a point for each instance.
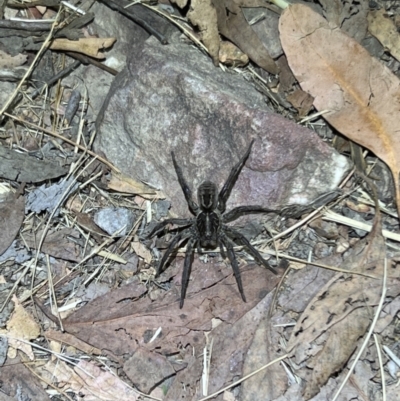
(187, 267)
(243, 210)
(158, 227)
(193, 207)
(230, 182)
(232, 258)
(244, 241)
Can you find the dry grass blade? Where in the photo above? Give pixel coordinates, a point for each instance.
(244, 378)
(370, 331)
(362, 94)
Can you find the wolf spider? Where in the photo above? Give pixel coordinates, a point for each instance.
(208, 229)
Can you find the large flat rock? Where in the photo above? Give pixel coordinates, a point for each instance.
(172, 98)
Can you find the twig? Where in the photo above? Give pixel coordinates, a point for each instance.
(56, 77)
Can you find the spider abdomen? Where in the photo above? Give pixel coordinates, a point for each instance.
(208, 225)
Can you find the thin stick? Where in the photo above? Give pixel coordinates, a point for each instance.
(378, 351)
(52, 294)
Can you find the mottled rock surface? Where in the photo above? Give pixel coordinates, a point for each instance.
(171, 98)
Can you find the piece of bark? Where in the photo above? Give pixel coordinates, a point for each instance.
(22, 168)
(12, 214)
(56, 244)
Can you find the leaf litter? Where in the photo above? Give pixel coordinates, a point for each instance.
(361, 94)
(216, 338)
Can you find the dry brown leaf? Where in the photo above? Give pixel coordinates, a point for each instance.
(7, 61)
(383, 28)
(90, 46)
(91, 382)
(12, 214)
(203, 15)
(141, 251)
(362, 94)
(123, 183)
(229, 54)
(326, 334)
(20, 326)
(233, 25)
(300, 100)
(56, 243)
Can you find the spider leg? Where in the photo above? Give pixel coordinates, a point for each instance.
(242, 210)
(222, 249)
(161, 225)
(187, 267)
(183, 235)
(234, 263)
(230, 182)
(250, 248)
(193, 207)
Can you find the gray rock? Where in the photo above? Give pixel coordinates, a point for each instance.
(172, 98)
(112, 220)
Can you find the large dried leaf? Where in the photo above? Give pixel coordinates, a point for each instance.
(363, 95)
(12, 214)
(326, 334)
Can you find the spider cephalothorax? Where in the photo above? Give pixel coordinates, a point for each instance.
(208, 229)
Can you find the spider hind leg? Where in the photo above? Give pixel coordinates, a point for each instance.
(181, 236)
(233, 234)
(232, 258)
(187, 267)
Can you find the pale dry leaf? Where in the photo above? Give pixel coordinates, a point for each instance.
(203, 15)
(20, 326)
(8, 61)
(90, 46)
(141, 251)
(362, 94)
(88, 380)
(231, 55)
(123, 183)
(383, 28)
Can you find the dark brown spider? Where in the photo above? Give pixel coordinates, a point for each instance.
(208, 229)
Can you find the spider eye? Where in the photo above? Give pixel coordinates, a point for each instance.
(207, 195)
